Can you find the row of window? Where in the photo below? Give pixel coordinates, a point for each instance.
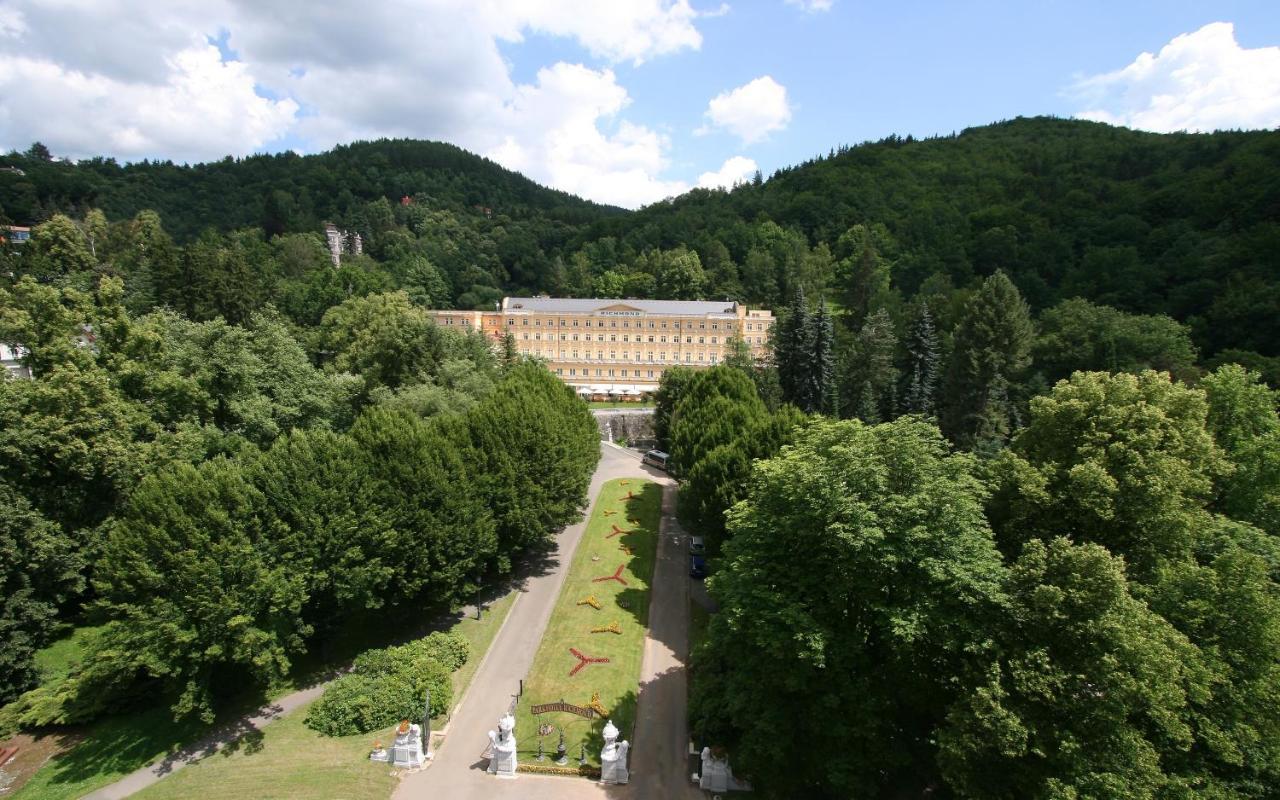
(613, 337)
(613, 323)
(687, 358)
(586, 373)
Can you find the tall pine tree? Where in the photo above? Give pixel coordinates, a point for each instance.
(992, 349)
(821, 381)
(923, 363)
(793, 348)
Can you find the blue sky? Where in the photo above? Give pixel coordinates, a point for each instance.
(614, 101)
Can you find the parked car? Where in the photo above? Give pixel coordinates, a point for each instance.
(656, 458)
(697, 566)
(697, 546)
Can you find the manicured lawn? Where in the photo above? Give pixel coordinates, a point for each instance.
(571, 625)
(286, 759)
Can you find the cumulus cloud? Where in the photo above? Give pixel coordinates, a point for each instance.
(100, 78)
(811, 6)
(561, 116)
(203, 108)
(1199, 81)
(751, 112)
(732, 172)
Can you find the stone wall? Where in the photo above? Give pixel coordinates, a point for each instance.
(633, 427)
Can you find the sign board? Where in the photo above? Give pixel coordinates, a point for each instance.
(546, 708)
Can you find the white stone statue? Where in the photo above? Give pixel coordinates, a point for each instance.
(503, 745)
(613, 758)
(407, 750)
(717, 775)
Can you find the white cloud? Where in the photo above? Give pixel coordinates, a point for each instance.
(734, 171)
(751, 112)
(91, 77)
(811, 6)
(564, 145)
(1199, 81)
(204, 108)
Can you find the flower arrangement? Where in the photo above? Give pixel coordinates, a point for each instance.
(615, 532)
(584, 660)
(616, 576)
(590, 600)
(625, 548)
(583, 771)
(612, 627)
(596, 706)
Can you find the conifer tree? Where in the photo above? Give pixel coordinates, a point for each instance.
(821, 392)
(793, 347)
(992, 349)
(923, 361)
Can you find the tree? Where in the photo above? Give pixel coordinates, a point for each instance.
(680, 276)
(426, 479)
(713, 407)
(1078, 335)
(40, 569)
(1242, 418)
(194, 588)
(675, 381)
(793, 347)
(71, 444)
(536, 446)
(1088, 695)
(821, 367)
(992, 349)
(899, 570)
(59, 248)
(923, 367)
(1124, 461)
(870, 374)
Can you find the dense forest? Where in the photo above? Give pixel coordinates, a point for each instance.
(999, 511)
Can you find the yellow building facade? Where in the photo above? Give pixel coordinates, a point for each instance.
(619, 344)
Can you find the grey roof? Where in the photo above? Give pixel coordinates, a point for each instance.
(574, 305)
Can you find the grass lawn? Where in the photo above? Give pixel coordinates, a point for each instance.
(570, 625)
(286, 759)
(56, 660)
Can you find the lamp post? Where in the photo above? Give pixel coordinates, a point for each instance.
(426, 725)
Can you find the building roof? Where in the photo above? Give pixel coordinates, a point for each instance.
(568, 305)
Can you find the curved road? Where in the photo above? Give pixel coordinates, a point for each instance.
(658, 761)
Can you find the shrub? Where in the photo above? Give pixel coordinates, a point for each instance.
(387, 686)
(449, 649)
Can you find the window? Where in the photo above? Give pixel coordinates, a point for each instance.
(613, 337)
(600, 355)
(626, 324)
(625, 355)
(511, 322)
(526, 336)
(524, 322)
(613, 324)
(575, 323)
(715, 326)
(635, 373)
(702, 340)
(599, 337)
(702, 325)
(575, 337)
(650, 340)
(562, 354)
(688, 340)
(572, 372)
(575, 353)
(597, 373)
(664, 325)
(610, 373)
(650, 375)
(537, 322)
(613, 355)
(714, 358)
(713, 340)
(664, 339)
(651, 324)
(538, 336)
(559, 371)
(563, 336)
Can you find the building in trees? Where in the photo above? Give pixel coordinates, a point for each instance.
(621, 344)
(342, 242)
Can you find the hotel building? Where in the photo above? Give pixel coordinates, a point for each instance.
(618, 344)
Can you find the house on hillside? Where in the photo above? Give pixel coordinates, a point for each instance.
(341, 242)
(11, 356)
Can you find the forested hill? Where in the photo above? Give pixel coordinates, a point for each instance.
(282, 193)
(1186, 225)
(1182, 224)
